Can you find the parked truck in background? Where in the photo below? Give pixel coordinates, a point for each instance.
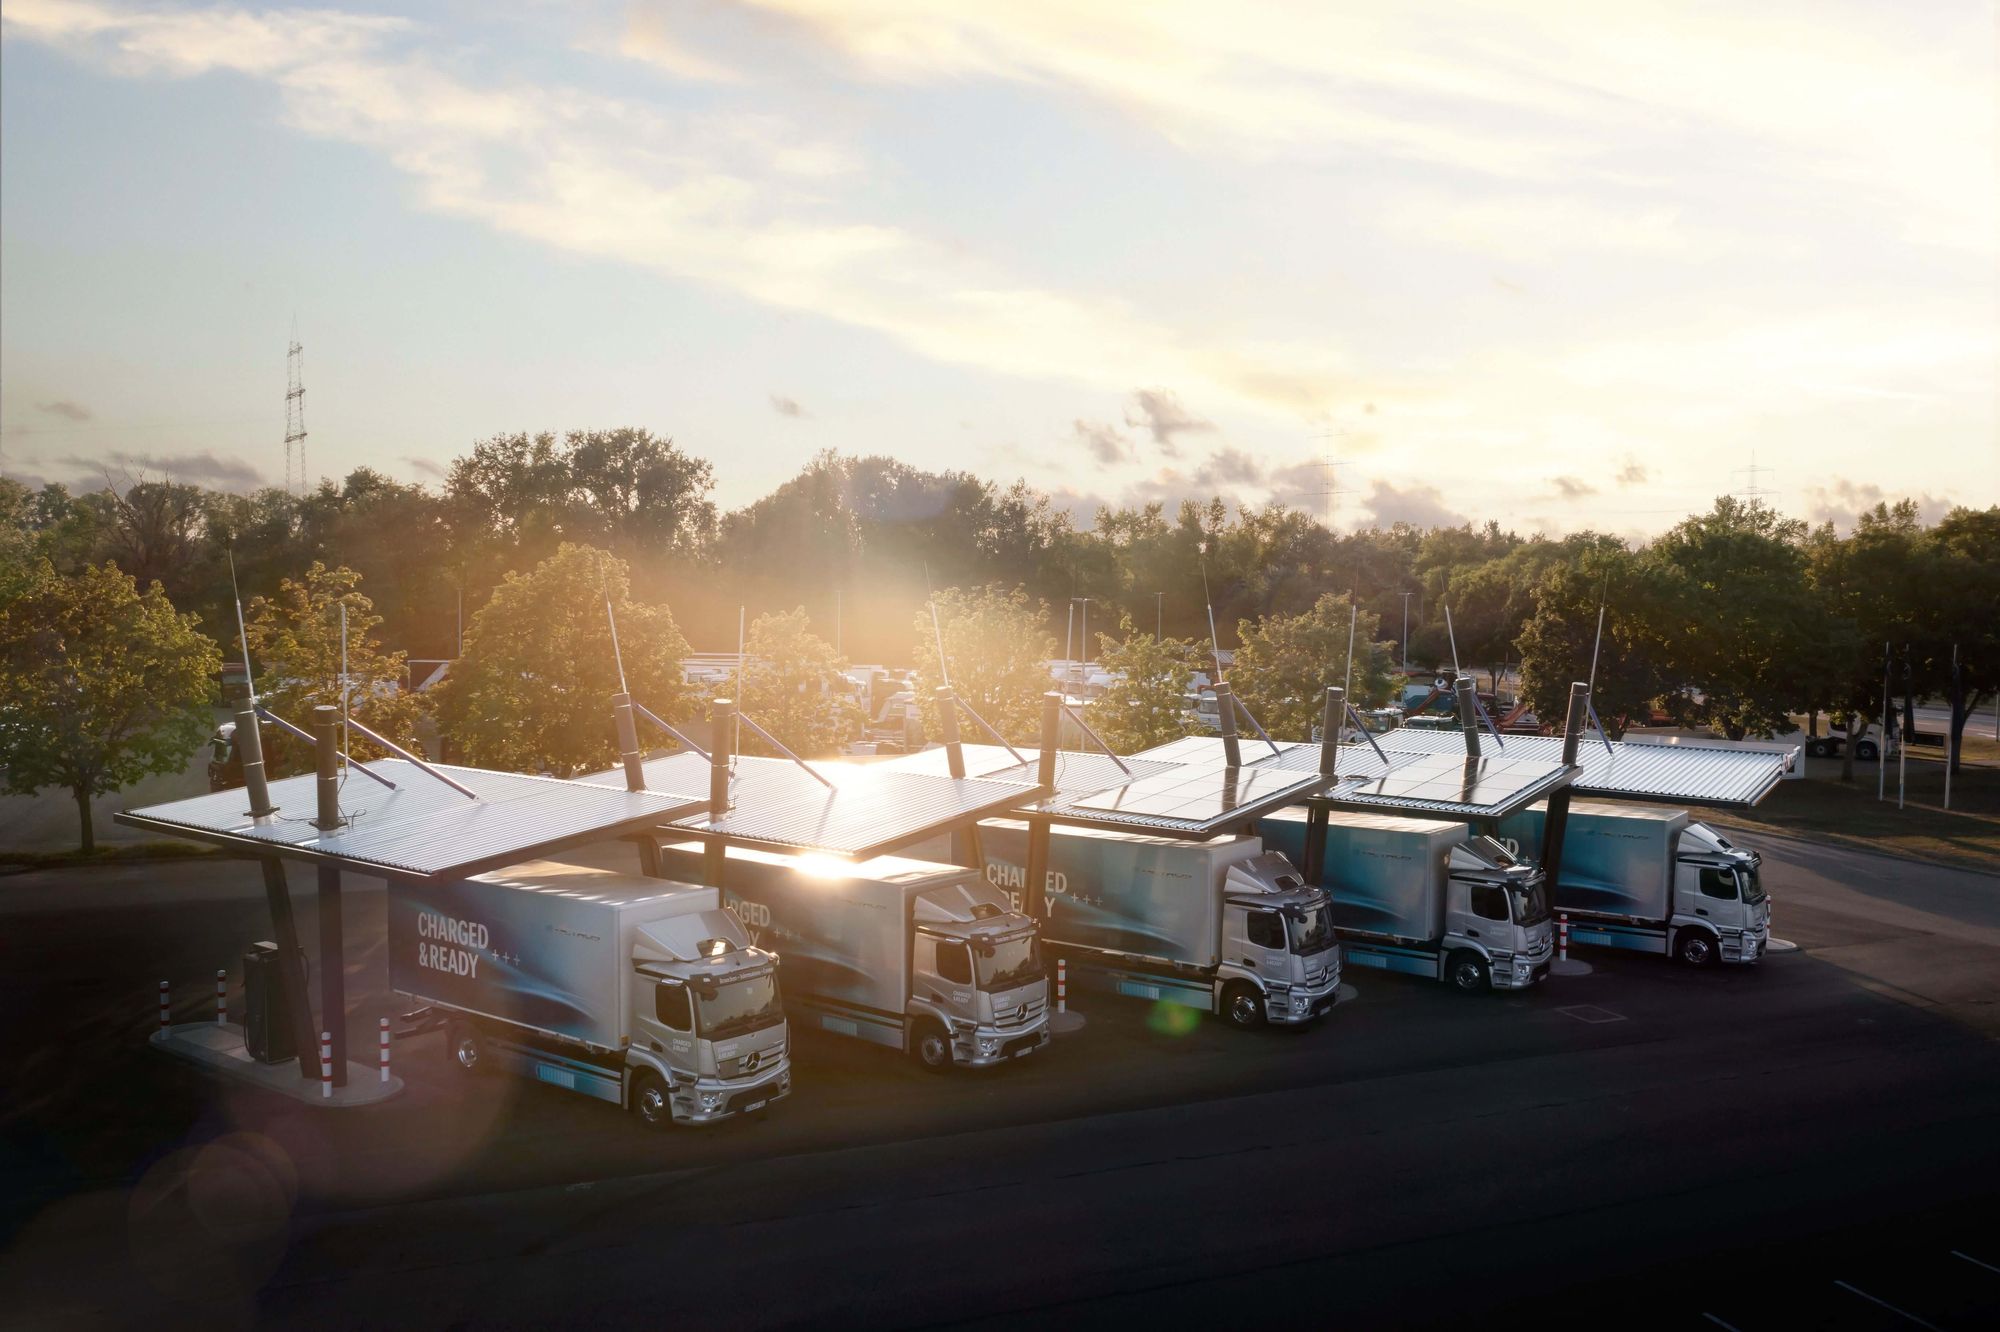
(1650, 879)
(1425, 898)
(1222, 926)
(920, 957)
(636, 991)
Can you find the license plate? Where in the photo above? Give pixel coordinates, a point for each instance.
(754, 1106)
(1025, 1050)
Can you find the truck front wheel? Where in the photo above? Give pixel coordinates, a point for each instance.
(1697, 948)
(931, 1047)
(464, 1048)
(650, 1101)
(1243, 1006)
(1467, 973)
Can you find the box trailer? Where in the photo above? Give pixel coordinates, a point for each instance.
(1221, 925)
(636, 991)
(1652, 880)
(1426, 898)
(910, 954)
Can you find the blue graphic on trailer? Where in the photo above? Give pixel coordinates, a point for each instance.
(493, 950)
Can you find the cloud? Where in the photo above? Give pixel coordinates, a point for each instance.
(784, 406)
(1633, 473)
(1230, 467)
(426, 467)
(737, 201)
(1419, 505)
(205, 468)
(1572, 488)
(67, 410)
(1161, 413)
(1105, 443)
(1843, 503)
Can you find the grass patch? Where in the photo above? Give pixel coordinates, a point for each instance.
(1826, 807)
(121, 852)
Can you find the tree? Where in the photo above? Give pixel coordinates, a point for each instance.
(1287, 662)
(793, 687)
(998, 656)
(1744, 626)
(1559, 639)
(533, 690)
(1146, 704)
(295, 645)
(105, 685)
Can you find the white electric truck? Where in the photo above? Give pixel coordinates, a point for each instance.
(917, 956)
(1222, 925)
(635, 991)
(1652, 880)
(1423, 897)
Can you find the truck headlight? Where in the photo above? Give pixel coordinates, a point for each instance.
(1298, 1001)
(709, 1100)
(988, 1047)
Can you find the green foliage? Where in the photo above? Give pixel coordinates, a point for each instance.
(1557, 640)
(105, 684)
(1147, 703)
(295, 647)
(533, 691)
(1287, 662)
(997, 655)
(793, 687)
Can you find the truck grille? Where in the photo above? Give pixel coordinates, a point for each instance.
(1023, 1015)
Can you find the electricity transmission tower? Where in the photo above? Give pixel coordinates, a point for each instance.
(295, 414)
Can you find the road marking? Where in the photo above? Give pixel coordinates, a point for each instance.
(1907, 1317)
(1719, 1323)
(1591, 1013)
(1975, 1262)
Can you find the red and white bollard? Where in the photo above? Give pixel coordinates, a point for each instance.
(166, 1014)
(221, 998)
(1062, 985)
(385, 1049)
(326, 1065)
(1562, 937)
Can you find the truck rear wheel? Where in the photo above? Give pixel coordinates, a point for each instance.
(1697, 948)
(1467, 973)
(930, 1046)
(1243, 1007)
(464, 1048)
(650, 1101)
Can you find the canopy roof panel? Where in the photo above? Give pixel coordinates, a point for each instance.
(1682, 774)
(422, 829)
(870, 809)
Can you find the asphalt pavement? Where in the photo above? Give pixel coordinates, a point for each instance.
(1809, 1142)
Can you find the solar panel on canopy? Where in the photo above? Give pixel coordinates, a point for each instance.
(422, 828)
(870, 809)
(1454, 785)
(1687, 774)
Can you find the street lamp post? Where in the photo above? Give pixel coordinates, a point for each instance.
(1406, 633)
(1084, 636)
(1159, 614)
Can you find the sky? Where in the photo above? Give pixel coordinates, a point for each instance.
(1560, 266)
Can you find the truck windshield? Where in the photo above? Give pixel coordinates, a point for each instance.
(1753, 887)
(1312, 931)
(740, 1006)
(1012, 962)
(1531, 904)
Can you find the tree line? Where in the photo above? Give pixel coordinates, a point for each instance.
(1736, 618)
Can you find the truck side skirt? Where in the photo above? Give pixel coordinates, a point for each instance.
(1410, 961)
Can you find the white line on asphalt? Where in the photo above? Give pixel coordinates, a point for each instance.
(1975, 1262)
(1909, 1317)
(1719, 1323)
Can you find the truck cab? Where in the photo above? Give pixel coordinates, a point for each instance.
(1719, 899)
(1497, 927)
(976, 971)
(1280, 961)
(707, 1020)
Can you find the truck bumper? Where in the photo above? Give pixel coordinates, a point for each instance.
(1301, 1005)
(1521, 973)
(709, 1102)
(989, 1046)
(1746, 948)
